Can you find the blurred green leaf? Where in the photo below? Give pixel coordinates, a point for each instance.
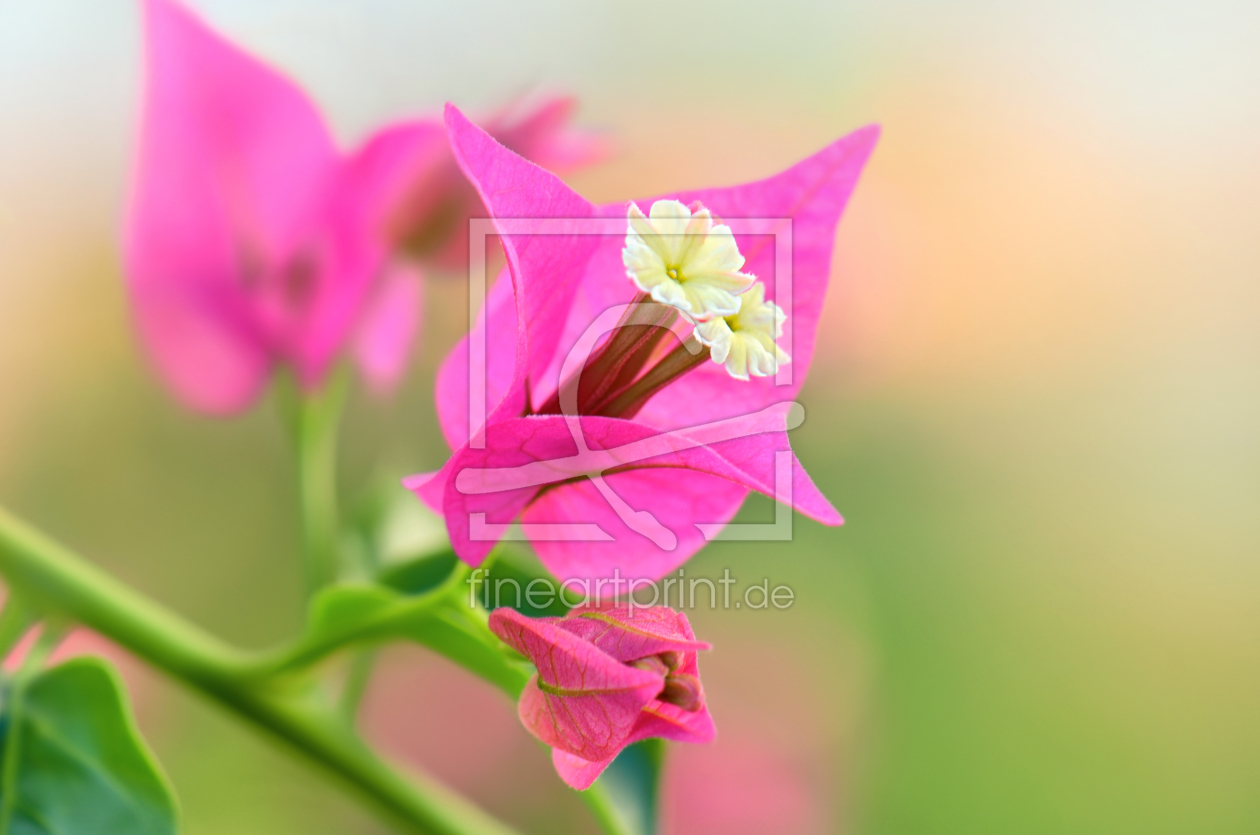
(73, 761)
(510, 571)
(419, 575)
(394, 528)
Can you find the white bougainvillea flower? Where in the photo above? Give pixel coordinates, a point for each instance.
(681, 258)
(745, 342)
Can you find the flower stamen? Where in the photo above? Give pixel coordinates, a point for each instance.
(746, 341)
(680, 257)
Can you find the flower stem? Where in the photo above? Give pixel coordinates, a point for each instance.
(357, 679)
(15, 620)
(605, 811)
(314, 422)
(52, 578)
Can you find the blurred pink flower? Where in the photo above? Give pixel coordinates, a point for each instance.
(431, 221)
(607, 677)
(737, 787)
(253, 241)
(560, 284)
(789, 704)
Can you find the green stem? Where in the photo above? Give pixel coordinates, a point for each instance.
(605, 810)
(15, 706)
(15, 620)
(54, 630)
(626, 797)
(315, 418)
(357, 679)
(302, 655)
(52, 577)
(51, 635)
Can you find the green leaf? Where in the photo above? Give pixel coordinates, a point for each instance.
(626, 796)
(353, 614)
(440, 618)
(73, 761)
(461, 634)
(345, 612)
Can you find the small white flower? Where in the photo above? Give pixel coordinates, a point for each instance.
(683, 259)
(745, 342)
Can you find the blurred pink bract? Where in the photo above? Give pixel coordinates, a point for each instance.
(607, 677)
(252, 241)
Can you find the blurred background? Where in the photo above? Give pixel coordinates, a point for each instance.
(1036, 402)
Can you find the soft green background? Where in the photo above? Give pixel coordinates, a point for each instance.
(1036, 399)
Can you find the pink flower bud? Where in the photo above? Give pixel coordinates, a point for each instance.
(607, 677)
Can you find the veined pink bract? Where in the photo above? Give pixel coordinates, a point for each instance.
(646, 504)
